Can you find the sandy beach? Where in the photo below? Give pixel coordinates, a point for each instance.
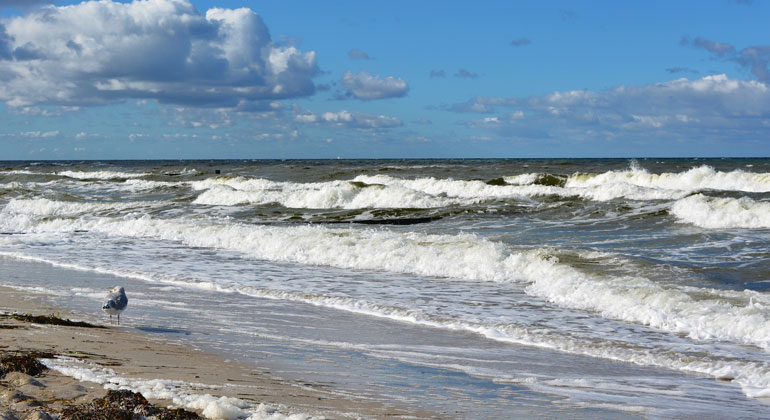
(136, 356)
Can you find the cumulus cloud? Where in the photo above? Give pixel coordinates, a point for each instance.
(348, 119)
(101, 52)
(754, 59)
(5, 43)
(358, 55)
(712, 106)
(366, 87)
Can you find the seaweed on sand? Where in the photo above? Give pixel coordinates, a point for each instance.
(124, 405)
(28, 363)
(50, 320)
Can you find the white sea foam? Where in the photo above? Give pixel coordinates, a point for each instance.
(12, 185)
(460, 256)
(143, 184)
(722, 213)
(754, 379)
(333, 194)
(102, 175)
(383, 191)
(46, 207)
(180, 393)
(740, 319)
(482, 190)
(699, 178)
(22, 172)
(522, 179)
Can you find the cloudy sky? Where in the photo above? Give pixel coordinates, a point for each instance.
(310, 79)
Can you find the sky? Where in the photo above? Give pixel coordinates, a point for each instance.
(195, 79)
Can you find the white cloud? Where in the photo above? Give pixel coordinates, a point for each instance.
(348, 119)
(5, 43)
(105, 51)
(367, 87)
(714, 107)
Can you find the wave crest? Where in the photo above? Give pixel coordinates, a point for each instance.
(722, 213)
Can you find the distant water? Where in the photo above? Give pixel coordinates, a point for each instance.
(642, 285)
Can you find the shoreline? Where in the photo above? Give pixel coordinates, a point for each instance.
(143, 350)
(139, 359)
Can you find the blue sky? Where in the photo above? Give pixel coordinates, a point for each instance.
(357, 79)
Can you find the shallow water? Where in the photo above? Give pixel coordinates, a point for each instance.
(592, 283)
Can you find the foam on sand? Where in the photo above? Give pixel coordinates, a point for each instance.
(179, 393)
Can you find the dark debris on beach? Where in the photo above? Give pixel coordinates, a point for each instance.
(49, 320)
(124, 405)
(25, 362)
(116, 405)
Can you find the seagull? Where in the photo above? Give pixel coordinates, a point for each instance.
(116, 302)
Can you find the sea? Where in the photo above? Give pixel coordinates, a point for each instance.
(482, 289)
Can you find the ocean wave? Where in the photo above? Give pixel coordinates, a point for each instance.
(695, 179)
(82, 175)
(384, 191)
(46, 207)
(144, 185)
(101, 175)
(462, 256)
(722, 213)
(753, 377)
(483, 190)
(333, 194)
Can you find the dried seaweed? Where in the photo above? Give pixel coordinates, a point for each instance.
(28, 363)
(50, 320)
(124, 405)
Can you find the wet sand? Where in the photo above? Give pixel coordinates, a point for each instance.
(135, 355)
(148, 352)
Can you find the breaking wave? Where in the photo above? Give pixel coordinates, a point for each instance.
(722, 213)
(462, 256)
(695, 179)
(101, 175)
(335, 194)
(46, 207)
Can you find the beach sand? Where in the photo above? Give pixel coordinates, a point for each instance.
(135, 355)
